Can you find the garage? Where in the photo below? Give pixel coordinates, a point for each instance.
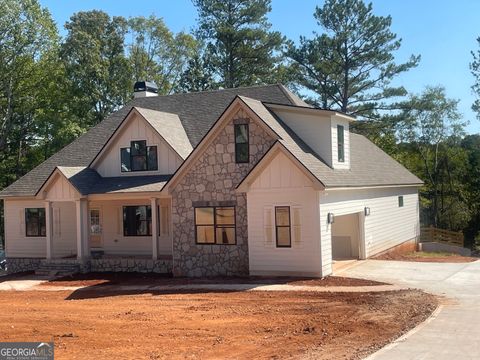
(346, 237)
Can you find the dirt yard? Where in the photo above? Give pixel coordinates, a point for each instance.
(94, 323)
(91, 279)
(439, 257)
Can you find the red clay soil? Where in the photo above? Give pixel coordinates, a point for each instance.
(91, 279)
(418, 257)
(95, 324)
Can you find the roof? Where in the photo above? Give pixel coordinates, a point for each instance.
(170, 128)
(87, 181)
(197, 113)
(369, 165)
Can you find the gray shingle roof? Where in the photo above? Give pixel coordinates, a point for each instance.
(197, 112)
(87, 181)
(170, 128)
(369, 165)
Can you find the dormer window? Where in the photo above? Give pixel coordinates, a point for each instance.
(341, 143)
(241, 143)
(139, 157)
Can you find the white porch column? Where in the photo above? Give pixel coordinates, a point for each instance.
(82, 228)
(154, 228)
(48, 229)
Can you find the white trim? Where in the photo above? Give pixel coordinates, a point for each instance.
(370, 187)
(296, 108)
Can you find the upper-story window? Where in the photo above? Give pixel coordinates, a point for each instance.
(241, 143)
(341, 143)
(139, 157)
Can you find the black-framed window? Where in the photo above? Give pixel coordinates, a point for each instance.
(137, 220)
(341, 143)
(283, 232)
(139, 157)
(400, 201)
(35, 222)
(215, 225)
(242, 152)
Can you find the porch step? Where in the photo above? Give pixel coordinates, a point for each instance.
(57, 268)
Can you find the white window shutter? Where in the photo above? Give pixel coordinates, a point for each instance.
(119, 220)
(268, 226)
(164, 228)
(56, 222)
(297, 225)
(22, 222)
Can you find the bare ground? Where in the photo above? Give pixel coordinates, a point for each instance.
(427, 257)
(91, 279)
(94, 323)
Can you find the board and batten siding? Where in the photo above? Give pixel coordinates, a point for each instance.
(346, 143)
(387, 225)
(281, 183)
(17, 244)
(64, 229)
(137, 129)
(115, 243)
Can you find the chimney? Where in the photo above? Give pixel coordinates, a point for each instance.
(144, 89)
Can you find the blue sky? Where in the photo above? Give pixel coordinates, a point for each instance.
(443, 32)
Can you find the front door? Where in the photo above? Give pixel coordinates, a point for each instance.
(96, 240)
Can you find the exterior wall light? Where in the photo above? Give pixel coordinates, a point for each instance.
(366, 211)
(330, 218)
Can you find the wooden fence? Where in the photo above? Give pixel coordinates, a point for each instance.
(430, 234)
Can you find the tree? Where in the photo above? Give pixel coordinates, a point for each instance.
(351, 65)
(430, 131)
(156, 54)
(96, 66)
(240, 44)
(475, 70)
(199, 74)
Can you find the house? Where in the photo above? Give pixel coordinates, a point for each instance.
(229, 182)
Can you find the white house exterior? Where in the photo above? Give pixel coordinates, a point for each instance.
(230, 182)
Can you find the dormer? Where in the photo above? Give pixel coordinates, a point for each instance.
(147, 142)
(326, 132)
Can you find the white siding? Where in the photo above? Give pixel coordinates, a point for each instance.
(61, 189)
(115, 243)
(283, 184)
(387, 225)
(137, 129)
(313, 129)
(346, 138)
(16, 243)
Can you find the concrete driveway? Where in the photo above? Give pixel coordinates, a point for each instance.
(454, 331)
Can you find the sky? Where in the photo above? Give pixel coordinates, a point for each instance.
(443, 32)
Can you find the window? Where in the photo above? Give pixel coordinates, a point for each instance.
(241, 143)
(35, 222)
(341, 143)
(95, 228)
(215, 225)
(139, 157)
(282, 226)
(137, 220)
(400, 201)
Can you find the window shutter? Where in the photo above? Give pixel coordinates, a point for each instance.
(56, 222)
(296, 225)
(22, 222)
(268, 226)
(164, 228)
(119, 220)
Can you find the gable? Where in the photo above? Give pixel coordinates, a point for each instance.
(58, 188)
(136, 128)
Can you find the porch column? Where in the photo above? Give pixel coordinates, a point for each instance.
(82, 228)
(154, 228)
(48, 229)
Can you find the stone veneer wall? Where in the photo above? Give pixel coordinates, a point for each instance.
(130, 265)
(211, 181)
(15, 265)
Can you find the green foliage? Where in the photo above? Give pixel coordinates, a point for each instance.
(351, 64)
(156, 54)
(241, 47)
(96, 66)
(198, 75)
